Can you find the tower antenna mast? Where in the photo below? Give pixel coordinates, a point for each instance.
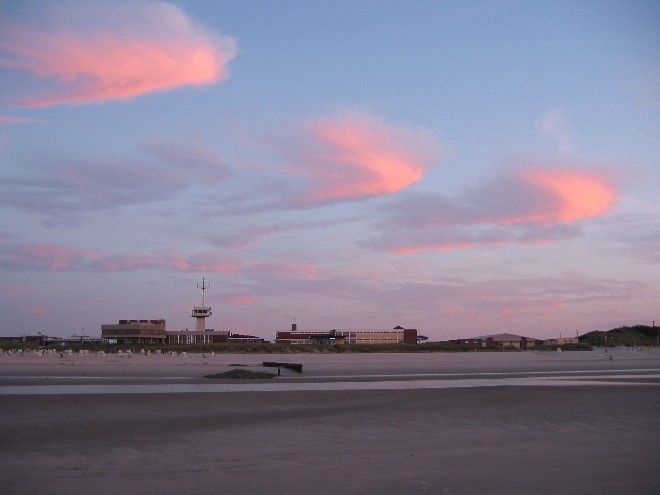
(202, 312)
(204, 285)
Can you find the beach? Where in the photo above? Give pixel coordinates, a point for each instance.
(349, 423)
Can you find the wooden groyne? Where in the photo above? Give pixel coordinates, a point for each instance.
(290, 366)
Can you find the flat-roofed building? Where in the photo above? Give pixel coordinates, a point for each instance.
(472, 343)
(562, 341)
(208, 336)
(237, 338)
(398, 335)
(37, 339)
(508, 340)
(135, 332)
(294, 336)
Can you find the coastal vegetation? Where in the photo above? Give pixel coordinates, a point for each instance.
(635, 336)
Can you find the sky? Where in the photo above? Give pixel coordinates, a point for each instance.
(460, 167)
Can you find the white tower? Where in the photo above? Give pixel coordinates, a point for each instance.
(201, 312)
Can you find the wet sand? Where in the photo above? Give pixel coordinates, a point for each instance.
(590, 438)
(191, 367)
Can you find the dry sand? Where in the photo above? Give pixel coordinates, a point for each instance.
(585, 439)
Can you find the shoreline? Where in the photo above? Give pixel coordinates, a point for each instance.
(376, 423)
(192, 368)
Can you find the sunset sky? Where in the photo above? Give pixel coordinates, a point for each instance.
(463, 168)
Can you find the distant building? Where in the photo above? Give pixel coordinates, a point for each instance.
(39, 339)
(135, 332)
(508, 340)
(398, 335)
(472, 343)
(208, 336)
(45, 340)
(498, 340)
(154, 332)
(237, 338)
(562, 341)
(310, 337)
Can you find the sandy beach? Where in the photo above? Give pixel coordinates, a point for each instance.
(191, 366)
(350, 423)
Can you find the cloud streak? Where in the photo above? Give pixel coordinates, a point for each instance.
(511, 299)
(565, 195)
(9, 119)
(62, 258)
(533, 205)
(356, 156)
(170, 167)
(52, 257)
(63, 185)
(120, 50)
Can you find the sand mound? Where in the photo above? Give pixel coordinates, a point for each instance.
(242, 374)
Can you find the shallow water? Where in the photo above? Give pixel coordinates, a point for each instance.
(633, 377)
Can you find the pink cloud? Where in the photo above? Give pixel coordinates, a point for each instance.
(358, 156)
(209, 262)
(21, 291)
(573, 195)
(8, 119)
(447, 311)
(100, 52)
(57, 257)
(240, 299)
(254, 234)
(499, 302)
(199, 263)
(436, 247)
(526, 307)
(39, 311)
(286, 269)
(533, 206)
(111, 264)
